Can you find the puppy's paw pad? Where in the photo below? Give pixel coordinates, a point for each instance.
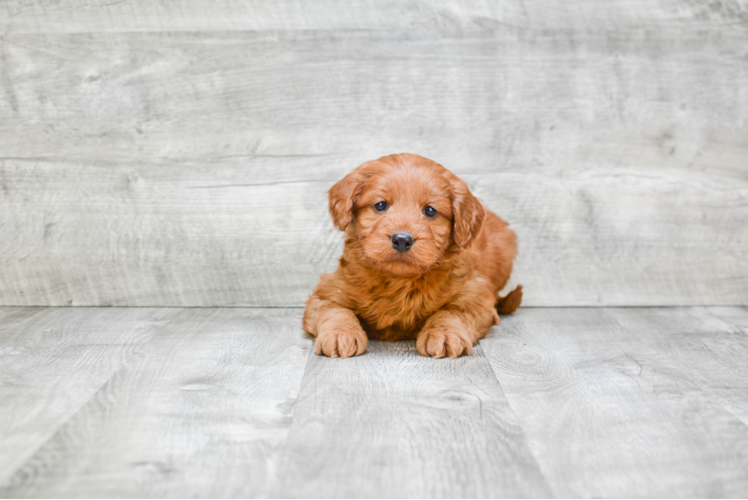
(342, 343)
(438, 343)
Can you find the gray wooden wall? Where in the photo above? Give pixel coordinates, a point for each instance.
(178, 153)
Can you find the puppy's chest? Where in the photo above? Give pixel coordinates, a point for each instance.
(398, 309)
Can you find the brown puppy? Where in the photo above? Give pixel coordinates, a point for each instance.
(422, 260)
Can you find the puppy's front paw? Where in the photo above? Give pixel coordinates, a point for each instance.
(441, 339)
(342, 341)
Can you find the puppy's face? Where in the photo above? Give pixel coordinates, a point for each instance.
(406, 212)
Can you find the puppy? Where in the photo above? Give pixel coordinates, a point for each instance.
(423, 260)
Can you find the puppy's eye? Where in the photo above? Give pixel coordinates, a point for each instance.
(381, 206)
(429, 212)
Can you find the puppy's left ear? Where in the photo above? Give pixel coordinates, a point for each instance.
(467, 212)
(343, 196)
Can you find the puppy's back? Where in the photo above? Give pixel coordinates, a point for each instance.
(494, 251)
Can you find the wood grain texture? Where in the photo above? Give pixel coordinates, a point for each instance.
(392, 423)
(52, 362)
(146, 162)
(22, 16)
(201, 412)
(735, 316)
(133, 402)
(628, 402)
(706, 346)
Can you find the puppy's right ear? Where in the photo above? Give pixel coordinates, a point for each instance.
(343, 196)
(467, 211)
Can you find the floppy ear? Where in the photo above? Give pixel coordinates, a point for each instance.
(344, 195)
(467, 213)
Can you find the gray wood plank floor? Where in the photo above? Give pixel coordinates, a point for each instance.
(232, 402)
(627, 402)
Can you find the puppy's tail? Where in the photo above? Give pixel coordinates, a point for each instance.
(510, 303)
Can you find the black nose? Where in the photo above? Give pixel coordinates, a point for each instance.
(402, 242)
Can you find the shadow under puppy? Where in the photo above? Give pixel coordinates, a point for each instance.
(423, 260)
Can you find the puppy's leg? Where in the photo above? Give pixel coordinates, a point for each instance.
(337, 331)
(454, 329)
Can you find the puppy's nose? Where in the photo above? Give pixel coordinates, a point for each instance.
(402, 242)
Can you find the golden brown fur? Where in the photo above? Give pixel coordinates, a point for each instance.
(442, 292)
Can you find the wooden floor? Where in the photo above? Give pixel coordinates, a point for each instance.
(562, 402)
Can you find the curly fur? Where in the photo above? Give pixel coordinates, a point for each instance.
(443, 292)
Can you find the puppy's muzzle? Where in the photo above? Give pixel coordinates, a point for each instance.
(402, 242)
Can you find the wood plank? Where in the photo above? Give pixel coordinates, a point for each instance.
(12, 319)
(163, 241)
(20, 16)
(612, 407)
(735, 316)
(392, 423)
(663, 98)
(200, 412)
(53, 361)
(707, 346)
(189, 169)
(211, 402)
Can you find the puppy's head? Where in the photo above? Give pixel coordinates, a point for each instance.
(406, 211)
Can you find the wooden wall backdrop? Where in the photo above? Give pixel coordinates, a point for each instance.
(158, 153)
